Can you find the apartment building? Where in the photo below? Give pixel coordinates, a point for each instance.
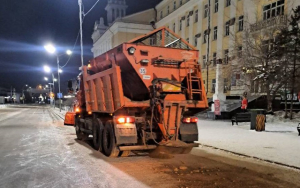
(227, 21)
(216, 27)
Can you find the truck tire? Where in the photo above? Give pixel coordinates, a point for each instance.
(97, 134)
(80, 135)
(109, 141)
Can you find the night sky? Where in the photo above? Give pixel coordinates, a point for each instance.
(27, 25)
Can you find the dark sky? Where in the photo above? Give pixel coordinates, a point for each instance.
(27, 25)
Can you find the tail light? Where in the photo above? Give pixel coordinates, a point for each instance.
(190, 120)
(77, 109)
(122, 120)
(90, 113)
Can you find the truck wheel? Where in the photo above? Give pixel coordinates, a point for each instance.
(124, 153)
(109, 142)
(97, 134)
(80, 135)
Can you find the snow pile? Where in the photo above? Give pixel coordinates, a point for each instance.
(278, 117)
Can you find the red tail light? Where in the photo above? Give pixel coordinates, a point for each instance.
(122, 120)
(190, 120)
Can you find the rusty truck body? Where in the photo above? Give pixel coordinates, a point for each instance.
(141, 94)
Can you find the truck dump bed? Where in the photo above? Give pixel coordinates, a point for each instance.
(123, 76)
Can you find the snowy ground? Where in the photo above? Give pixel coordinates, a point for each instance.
(279, 143)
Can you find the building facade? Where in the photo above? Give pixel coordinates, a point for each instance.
(216, 27)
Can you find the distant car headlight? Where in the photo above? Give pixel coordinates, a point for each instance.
(131, 50)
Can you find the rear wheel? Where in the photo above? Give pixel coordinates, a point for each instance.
(109, 142)
(97, 134)
(80, 135)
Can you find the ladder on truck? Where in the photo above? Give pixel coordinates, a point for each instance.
(193, 77)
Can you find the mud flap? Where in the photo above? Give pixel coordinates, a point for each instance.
(188, 132)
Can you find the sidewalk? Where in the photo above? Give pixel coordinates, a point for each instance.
(61, 113)
(280, 142)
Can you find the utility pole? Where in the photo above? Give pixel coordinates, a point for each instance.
(208, 43)
(81, 42)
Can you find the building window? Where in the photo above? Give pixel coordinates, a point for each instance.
(168, 10)
(227, 28)
(225, 85)
(180, 25)
(161, 14)
(216, 5)
(228, 3)
(241, 23)
(174, 27)
(204, 61)
(118, 13)
(213, 85)
(215, 33)
(195, 41)
(188, 40)
(204, 36)
(226, 56)
(180, 2)
(113, 14)
(188, 21)
(240, 51)
(196, 16)
(205, 11)
(273, 9)
(214, 59)
(174, 6)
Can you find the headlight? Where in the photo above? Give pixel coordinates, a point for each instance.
(131, 50)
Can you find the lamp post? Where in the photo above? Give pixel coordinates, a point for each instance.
(48, 70)
(52, 50)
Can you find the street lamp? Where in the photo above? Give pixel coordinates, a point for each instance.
(48, 70)
(46, 78)
(52, 50)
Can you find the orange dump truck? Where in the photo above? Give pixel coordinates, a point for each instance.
(140, 95)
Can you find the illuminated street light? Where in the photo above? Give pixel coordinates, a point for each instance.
(50, 48)
(55, 80)
(69, 52)
(47, 69)
(46, 78)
